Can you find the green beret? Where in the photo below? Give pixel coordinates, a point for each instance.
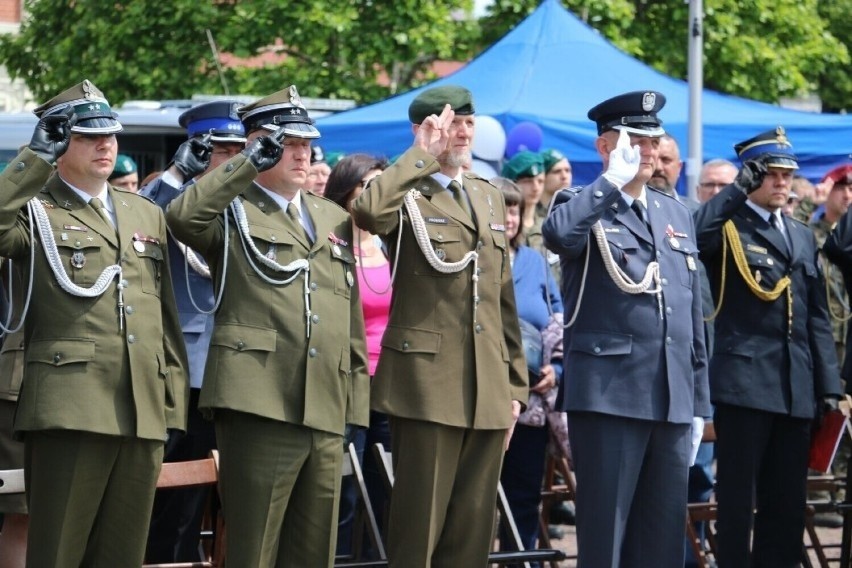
(522, 165)
(432, 101)
(550, 157)
(124, 165)
(331, 158)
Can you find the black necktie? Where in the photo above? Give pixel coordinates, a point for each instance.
(459, 197)
(775, 223)
(293, 214)
(641, 212)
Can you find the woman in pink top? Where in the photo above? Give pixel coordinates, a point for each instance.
(346, 182)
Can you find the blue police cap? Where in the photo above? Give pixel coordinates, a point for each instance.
(635, 112)
(775, 144)
(217, 118)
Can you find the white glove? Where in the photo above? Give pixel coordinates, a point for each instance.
(623, 162)
(697, 434)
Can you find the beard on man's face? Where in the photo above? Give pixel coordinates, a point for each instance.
(658, 180)
(455, 158)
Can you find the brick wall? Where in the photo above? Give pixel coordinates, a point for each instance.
(10, 11)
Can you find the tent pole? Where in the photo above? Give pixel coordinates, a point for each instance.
(695, 75)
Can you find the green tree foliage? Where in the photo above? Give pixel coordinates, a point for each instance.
(136, 49)
(760, 49)
(133, 50)
(370, 49)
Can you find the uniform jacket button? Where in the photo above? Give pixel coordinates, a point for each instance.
(312, 352)
(229, 168)
(419, 164)
(57, 357)
(241, 345)
(20, 166)
(405, 346)
(131, 338)
(315, 318)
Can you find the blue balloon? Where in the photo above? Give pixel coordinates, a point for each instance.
(524, 136)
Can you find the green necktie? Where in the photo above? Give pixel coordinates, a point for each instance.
(293, 214)
(459, 197)
(98, 206)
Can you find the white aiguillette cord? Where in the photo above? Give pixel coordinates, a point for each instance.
(619, 277)
(51, 252)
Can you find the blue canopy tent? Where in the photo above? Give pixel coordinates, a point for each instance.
(552, 68)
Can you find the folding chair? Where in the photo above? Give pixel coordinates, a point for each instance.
(365, 518)
(13, 538)
(553, 492)
(198, 473)
(506, 517)
(703, 549)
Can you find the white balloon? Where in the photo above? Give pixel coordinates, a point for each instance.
(489, 141)
(483, 169)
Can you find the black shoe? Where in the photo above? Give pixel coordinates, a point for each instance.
(562, 513)
(555, 533)
(828, 520)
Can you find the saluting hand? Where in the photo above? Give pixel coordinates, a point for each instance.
(751, 175)
(265, 151)
(193, 156)
(433, 134)
(52, 135)
(624, 162)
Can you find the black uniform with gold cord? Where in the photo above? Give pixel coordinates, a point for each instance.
(773, 367)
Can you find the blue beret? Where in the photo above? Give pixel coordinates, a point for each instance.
(217, 118)
(635, 112)
(774, 143)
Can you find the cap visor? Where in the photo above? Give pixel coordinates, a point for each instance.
(97, 126)
(785, 163)
(656, 131)
(227, 138)
(295, 129)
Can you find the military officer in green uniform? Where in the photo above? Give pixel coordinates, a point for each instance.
(451, 374)
(104, 377)
(286, 369)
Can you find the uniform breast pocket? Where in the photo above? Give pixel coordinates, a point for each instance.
(446, 244)
(82, 262)
(499, 239)
(623, 246)
(685, 260)
(276, 245)
(150, 267)
(764, 269)
(343, 270)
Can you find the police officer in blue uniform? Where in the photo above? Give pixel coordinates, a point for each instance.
(636, 386)
(774, 365)
(215, 134)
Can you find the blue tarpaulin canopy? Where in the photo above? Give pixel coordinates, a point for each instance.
(552, 68)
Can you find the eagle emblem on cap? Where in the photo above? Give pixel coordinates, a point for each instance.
(781, 135)
(88, 89)
(294, 96)
(648, 101)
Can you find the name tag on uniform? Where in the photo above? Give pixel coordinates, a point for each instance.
(75, 228)
(436, 220)
(612, 230)
(754, 248)
(498, 227)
